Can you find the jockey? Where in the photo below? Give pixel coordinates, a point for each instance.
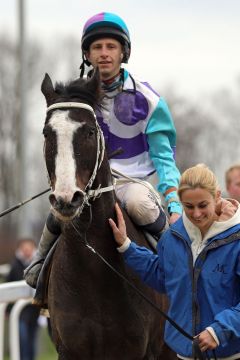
(134, 117)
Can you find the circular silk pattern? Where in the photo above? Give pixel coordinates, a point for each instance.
(129, 108)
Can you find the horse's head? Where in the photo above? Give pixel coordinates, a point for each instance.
(74, 145)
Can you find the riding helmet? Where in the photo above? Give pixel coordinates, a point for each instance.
(106, 24)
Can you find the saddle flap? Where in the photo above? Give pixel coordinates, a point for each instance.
(40, 297)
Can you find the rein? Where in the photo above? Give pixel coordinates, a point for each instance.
(15, 207)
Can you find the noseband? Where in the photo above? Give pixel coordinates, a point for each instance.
(88, 193)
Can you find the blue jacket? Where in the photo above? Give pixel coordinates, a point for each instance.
(204, 294)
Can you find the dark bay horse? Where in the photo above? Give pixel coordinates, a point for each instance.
(94, 314)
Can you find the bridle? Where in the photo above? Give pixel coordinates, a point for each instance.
(88, 193)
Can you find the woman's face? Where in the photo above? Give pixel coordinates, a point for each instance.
(199, 206)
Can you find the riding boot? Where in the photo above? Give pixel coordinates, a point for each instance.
(158, 226)
(153, 232)
(47, 240)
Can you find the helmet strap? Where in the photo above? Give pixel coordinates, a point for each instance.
(82, 69)
(82, 66)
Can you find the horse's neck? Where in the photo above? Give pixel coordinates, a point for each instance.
(104, 207)
(93, 221)
(103, 181)
(92, 227)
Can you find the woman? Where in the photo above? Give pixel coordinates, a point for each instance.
(197, 266)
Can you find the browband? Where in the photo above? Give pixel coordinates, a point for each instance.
(70, 105)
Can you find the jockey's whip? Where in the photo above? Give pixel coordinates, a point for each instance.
(5, 212)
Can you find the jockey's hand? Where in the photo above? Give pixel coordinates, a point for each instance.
(174, 217)
(206, 341)
(226, 208)
(119, 230)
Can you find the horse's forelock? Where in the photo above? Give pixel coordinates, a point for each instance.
(77, 90)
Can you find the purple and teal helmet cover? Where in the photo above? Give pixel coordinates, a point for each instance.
(109, 25)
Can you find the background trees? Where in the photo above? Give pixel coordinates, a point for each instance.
(207, 129)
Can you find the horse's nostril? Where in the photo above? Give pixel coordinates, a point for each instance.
(64, 206)
(58, 203)
(77, 198)
(52, 200)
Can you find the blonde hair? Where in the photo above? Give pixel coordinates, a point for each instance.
(199, 176)
(228, 173)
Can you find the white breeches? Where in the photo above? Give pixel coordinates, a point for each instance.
(142, 202)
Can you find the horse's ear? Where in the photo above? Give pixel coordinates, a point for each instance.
(48, 89)
(93, 85)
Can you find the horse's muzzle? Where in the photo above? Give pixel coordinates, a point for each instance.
(65, 208)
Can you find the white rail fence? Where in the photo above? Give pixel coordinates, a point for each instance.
(20, 293)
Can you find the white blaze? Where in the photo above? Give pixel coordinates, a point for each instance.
(65, 166)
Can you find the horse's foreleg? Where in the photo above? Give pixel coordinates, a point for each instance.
(167, 353)
(63, 354)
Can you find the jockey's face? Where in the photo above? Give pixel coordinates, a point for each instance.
(199, 206)
(106, 54)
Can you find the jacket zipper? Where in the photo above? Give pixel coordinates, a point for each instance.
(194, 285)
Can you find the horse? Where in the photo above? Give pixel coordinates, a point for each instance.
(94, 313)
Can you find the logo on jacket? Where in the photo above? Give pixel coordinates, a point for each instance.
(220, 268)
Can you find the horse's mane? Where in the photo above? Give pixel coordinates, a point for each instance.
(78, 90)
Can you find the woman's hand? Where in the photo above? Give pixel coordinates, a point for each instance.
(206, 341)
(119, 231)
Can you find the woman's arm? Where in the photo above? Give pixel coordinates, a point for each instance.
(146, 264)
